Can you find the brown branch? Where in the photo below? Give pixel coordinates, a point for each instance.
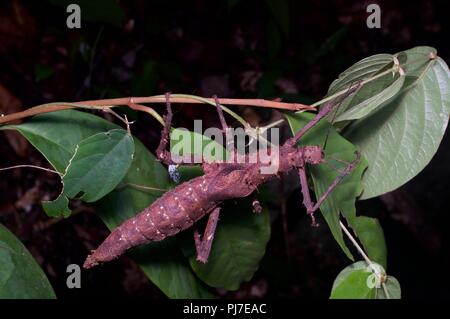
(108, 103)
(224, 101)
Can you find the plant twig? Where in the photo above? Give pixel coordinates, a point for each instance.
(366, 258)
(30, 166)
(175, 98)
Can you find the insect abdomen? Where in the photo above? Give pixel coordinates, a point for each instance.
(177, 210)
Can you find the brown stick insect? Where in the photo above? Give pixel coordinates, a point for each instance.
(179, 208)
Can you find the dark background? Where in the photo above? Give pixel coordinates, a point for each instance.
(231, 48)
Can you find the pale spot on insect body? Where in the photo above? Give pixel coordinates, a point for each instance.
(174, 174)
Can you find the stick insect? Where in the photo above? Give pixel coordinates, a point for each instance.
(179, 208)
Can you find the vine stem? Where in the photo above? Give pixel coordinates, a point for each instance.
(30, 166)
(364, 255)
(355, 243)
(175, 98)
(395, 68)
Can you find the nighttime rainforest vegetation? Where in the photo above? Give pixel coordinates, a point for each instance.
(217, 227)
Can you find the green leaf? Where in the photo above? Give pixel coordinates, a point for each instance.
(7, 265)
(342, 199)
(358, 281)
(238, 247)
(354, 287)
(186, 143)
(361, 70)
(371, 235)
(370, 98)
(57, 207)
(57, 134)
(20, 275)
(45, 133)
(96, 168)
(352, 283)
(392, 287)
(400, 139)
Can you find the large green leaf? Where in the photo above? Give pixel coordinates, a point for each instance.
(342, 199)
(371, 235)
(400, 139)
(56, 135)
(359, 281)
(98, 165)
(239, 244)
(7, 265)
(352, 284)
(59, 133)
(361, 70)
(20, 275)
(371, 97)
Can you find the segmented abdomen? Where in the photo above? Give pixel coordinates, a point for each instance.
(177, 210)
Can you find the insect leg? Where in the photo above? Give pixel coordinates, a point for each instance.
(161, 152)
(324, 111)
(228, 138)
(310, 206)
(203, 246)
(307, 202)
(350, 167)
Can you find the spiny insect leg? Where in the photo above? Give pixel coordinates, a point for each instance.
(228, 137)
(310, 206)
(350, 167)
(203, 246)
(220, 112)
(307, 202)
(324, 111)
(161, 152)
